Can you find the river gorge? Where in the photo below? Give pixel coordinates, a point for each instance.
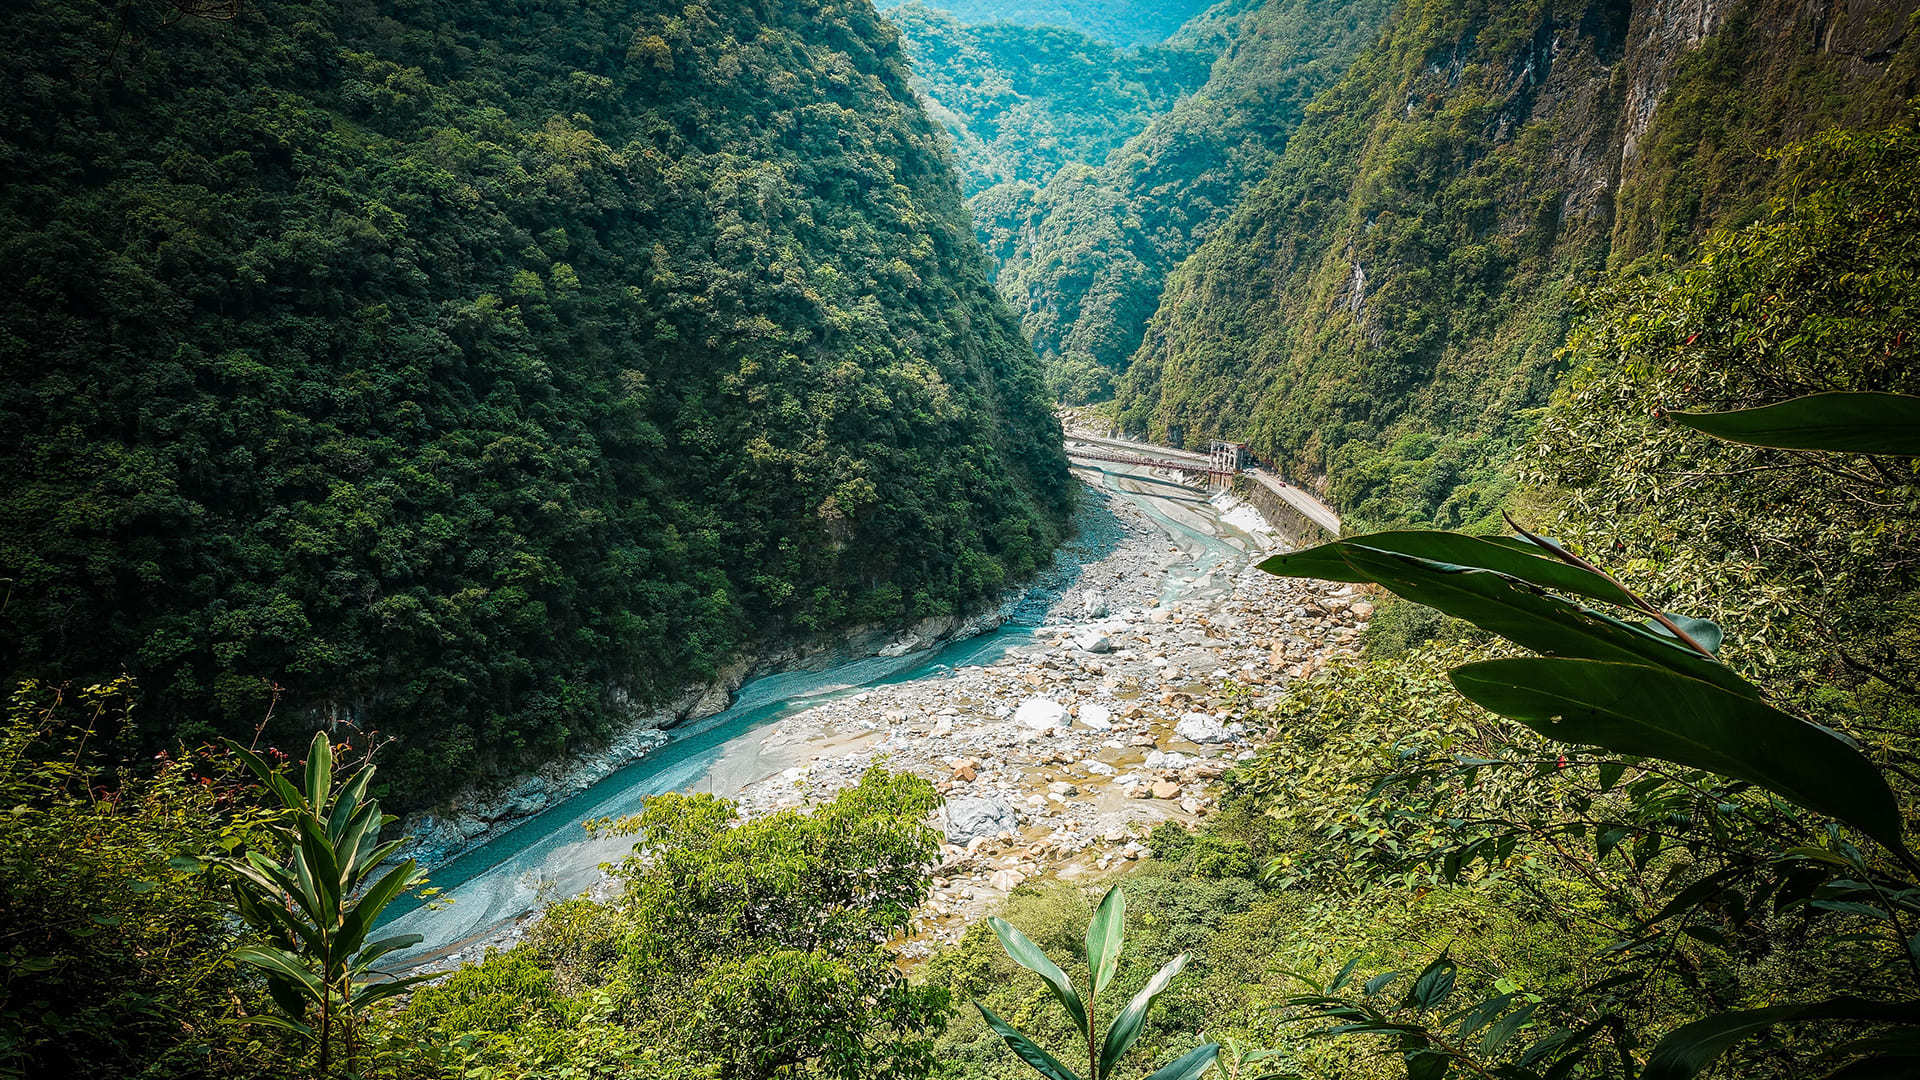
(1107, 698)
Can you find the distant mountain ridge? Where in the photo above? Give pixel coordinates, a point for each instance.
(1023, 101)
(1083, 257)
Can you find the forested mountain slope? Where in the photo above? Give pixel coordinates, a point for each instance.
(480, 373)
(1384, 308)
(1022, 101)
(1083, 259)
(1122, 22)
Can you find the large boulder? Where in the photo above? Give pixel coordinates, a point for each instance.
(1096, 716)
(1202, 727)
(975, 817)
(1041, 714)
(1094, 641)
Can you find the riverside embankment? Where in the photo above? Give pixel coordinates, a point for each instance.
(1100, 708)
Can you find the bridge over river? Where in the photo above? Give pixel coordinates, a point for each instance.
(1222, 466)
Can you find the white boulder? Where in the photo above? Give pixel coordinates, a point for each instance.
(1202, 727)
(976, 818)
(1041, 714)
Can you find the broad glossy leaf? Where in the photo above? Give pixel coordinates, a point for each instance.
(1043, 1063)
(271, 1020)
(1435, 983)
(1844, 422)
(1692, 1047)
(288, 996)
(1705, 631)
(269, 776)
(283, 964)
(1515, 558)
(319, 771)
(366, 994)
(1519, 612)
(1378, 983)
(374, 950)
(1126, 1027)
(1346, 972)
(1103, 938)
(348, 844)
(348, 803)
(1427, 1064)
(1029, 956)
(317, 856)
(1651, 712)
(1190, 1064)
(360, 918)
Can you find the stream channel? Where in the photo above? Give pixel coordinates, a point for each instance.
(551, 857)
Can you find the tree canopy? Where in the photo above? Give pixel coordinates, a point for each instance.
(482, 375)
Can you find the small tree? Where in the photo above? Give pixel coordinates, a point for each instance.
(1103, 959)
(313, 905)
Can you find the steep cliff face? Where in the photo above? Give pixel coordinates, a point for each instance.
(1383, 308)
(474, 372)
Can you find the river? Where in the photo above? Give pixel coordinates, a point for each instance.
(550, 856)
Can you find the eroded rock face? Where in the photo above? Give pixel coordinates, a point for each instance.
(971, 818)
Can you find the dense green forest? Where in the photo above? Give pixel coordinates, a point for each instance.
(1385, 307)
(1083, 256)
(1023, 101)
(480, 375)
(1121, 22)
(474, 373)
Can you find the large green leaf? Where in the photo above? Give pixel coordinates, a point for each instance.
(318, 864)
(1517, 611)
(1692, 1047)
(360, 917)
(268, 775)
(1189, 1065)
(1858, 423)
(1028, 955)
(1652, 712)
(1434, 984)
(1043, 1063)
(1103, 939)
(1516, 558)
(347, 846)
(283, 964)
(1126, 1026)
(347, 804)
(365, 994)
(376, 949)
(281, 1022)
(1705, 631)
(319, 771)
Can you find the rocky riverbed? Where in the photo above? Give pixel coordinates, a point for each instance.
(1157, 642)
(1057, 759)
